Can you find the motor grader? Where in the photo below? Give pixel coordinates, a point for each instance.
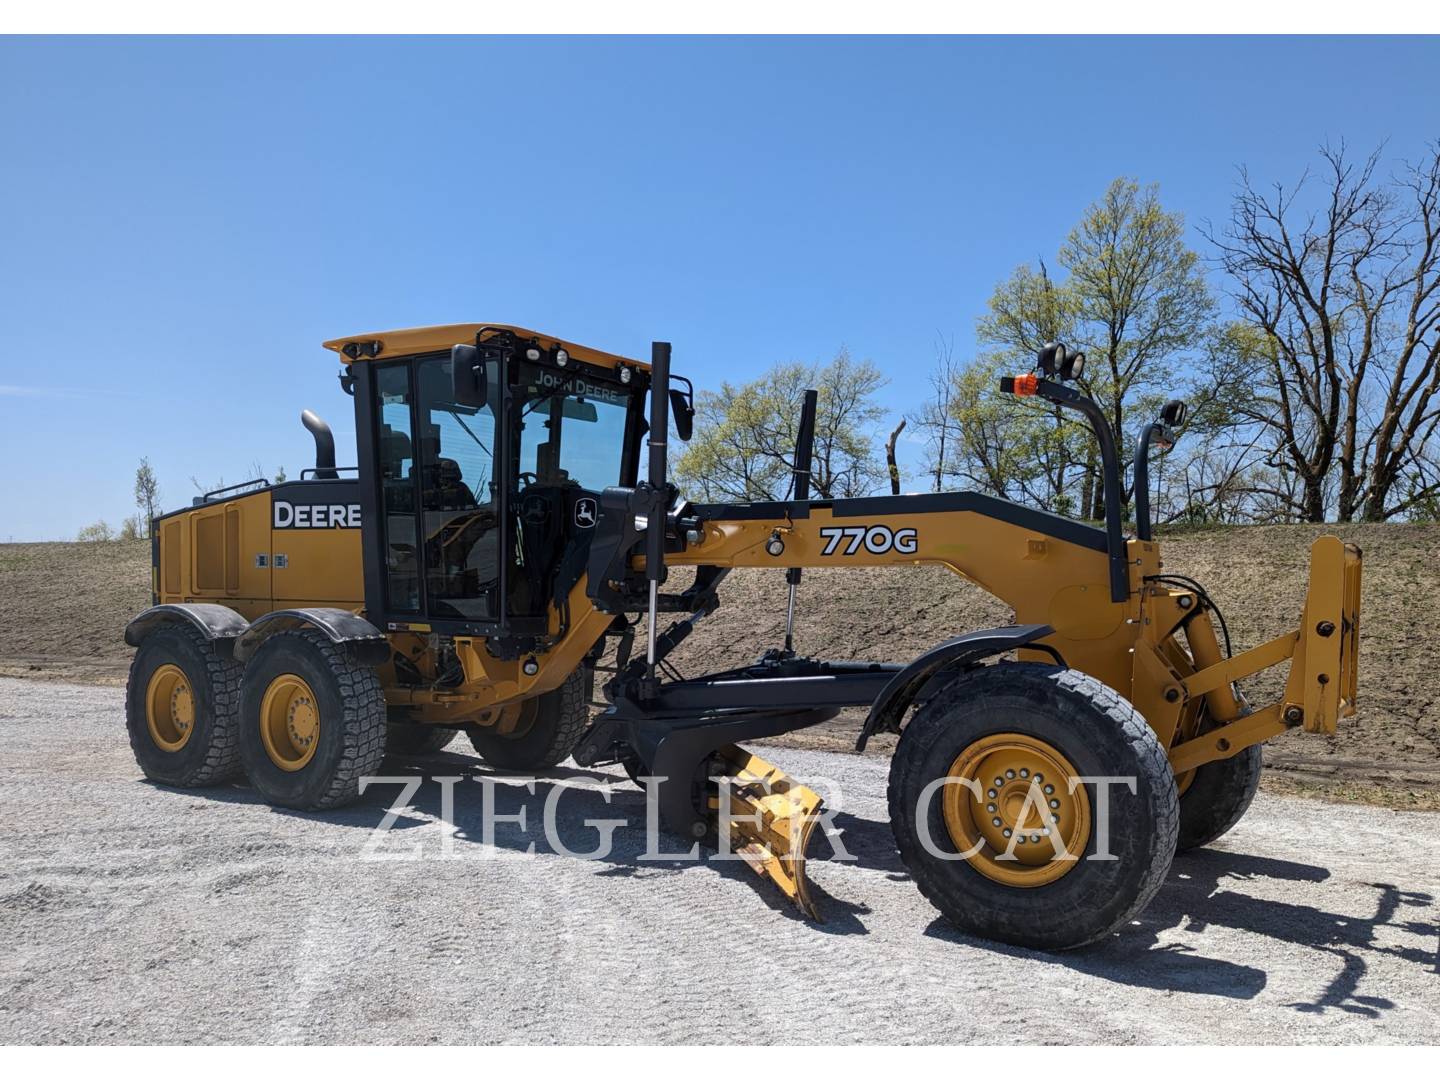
(497, 546)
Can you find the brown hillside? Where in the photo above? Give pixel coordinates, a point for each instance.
(62, 608)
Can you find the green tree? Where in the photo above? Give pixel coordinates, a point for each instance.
(98, 532)
(744, 439)
(1133, 298)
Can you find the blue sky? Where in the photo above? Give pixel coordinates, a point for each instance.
(183, 221)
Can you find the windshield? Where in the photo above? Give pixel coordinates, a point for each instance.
(572, 429)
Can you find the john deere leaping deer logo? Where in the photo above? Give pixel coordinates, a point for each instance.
(585, 510)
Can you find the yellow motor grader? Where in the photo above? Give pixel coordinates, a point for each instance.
(497, 542)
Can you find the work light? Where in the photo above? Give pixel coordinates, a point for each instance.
(1052, 357)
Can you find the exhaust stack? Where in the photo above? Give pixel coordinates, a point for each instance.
(324, 445)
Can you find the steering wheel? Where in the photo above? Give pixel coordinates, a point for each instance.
(533, 479)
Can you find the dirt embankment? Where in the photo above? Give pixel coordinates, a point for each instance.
(63, 607)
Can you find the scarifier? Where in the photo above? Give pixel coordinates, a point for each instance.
(496, 546)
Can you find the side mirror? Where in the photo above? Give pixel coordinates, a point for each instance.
(1174, 413)
(683, 413)
(468, 383)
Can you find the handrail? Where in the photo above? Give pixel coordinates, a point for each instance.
(312, 473)
(207, 496)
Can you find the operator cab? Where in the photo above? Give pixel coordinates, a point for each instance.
(530, 431)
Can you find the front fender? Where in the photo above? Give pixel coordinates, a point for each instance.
(340, 626)
(963, 651)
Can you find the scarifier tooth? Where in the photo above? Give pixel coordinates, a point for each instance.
(788, 813)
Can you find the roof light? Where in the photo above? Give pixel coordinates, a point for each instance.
(532, 352)
(1052, 358)
(625, 374)
(560, 356)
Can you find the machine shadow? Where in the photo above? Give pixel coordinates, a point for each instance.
(1196, 897)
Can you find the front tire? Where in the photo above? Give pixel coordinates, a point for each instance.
(548, 729)
(983, 764)
(182, 709)
(312, 721)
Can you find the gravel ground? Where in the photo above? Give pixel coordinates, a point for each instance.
(132, 913)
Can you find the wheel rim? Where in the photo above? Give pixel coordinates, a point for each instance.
(169, 708)
(525, 722)
(1018, 778)
(289, 722)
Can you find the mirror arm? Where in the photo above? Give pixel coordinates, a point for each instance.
(1070, 398)
(1143, 529)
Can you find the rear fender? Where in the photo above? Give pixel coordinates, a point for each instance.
(959, 652)
(360, 636)
(220, 625)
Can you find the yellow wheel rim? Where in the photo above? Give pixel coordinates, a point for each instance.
(1016, 810)
(289, 722)
(169, 708)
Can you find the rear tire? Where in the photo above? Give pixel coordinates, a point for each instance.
(182, 709)
(548, 729)
(1218, 797)
(1060, 724)
(416, 740)
(312, 721)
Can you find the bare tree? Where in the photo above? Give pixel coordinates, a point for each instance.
(934, 419)
(147, 495)
(893, 468)
(1343, 288)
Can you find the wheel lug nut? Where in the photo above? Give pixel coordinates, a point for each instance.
(1049, 788)
(990, 794)
(1054, 804)
(1021, 840)
(1024, 773)
(1009, 774)
(990, 808)
(1006, 833)
(996, 823)
(998, 781)
(1039, 778)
